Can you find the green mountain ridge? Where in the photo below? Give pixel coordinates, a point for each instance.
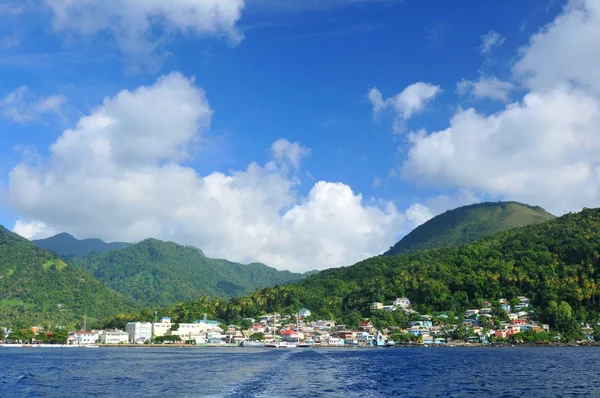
(557, 261)
(467, 224)
(36, 287)
(66, 245)
(154, 272)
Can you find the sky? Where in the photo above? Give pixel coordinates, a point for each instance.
(304, 134)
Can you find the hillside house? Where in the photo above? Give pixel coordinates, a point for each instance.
(402, 302)
(366, 325)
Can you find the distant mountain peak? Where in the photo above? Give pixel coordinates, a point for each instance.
(66, 245)
(155, 272)
(469, 223)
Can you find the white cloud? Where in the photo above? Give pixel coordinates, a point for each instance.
(565, 51)
(410, 101)
(33, 229)
(133, 23)
(486, 87)
(116, 176)
(288, 153)
(544, 149)
(23, 106)
(419, 214)
(491, 40)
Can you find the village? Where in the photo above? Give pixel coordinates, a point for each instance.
(479, 326)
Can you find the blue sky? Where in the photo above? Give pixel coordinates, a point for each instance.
(300, 72)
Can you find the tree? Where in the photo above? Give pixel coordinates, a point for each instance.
(257, 336)
(42, 337)
(561, 316)
(59, 336)
(460, 333)
(245, 324)
(24, 335)
(2, 335)
(175, 327)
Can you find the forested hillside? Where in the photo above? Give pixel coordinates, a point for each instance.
(162, 273)
(66, 245)
(36, 287)
(469, 223)
(552, 262)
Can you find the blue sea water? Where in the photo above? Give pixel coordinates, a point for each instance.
(256, 372)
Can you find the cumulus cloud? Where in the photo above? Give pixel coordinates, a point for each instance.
(543, 149)
(410, 101)
(23, 106)
(491, 40)
(565, 50)
(117, 175)
(486, 87)
(133, 23)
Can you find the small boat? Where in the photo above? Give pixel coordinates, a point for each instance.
(280, 345)
(92, 346)
(390, 343)
(303, 345)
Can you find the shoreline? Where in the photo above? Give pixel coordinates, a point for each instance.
(189, 346)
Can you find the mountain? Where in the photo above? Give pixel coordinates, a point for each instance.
(36, 287)
(161, 273)
(66, 245)
(468, 224)
(556, 264)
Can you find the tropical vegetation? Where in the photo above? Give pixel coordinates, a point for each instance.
(469, 223)
(38, 288)
(157, 273)
(556, 264)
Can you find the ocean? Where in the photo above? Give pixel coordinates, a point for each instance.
(257, 372)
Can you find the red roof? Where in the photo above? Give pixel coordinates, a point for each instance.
(286, 332)
(364, 323)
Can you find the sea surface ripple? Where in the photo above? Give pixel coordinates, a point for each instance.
(256, 372)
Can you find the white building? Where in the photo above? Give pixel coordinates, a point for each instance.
(116, 337)
(85, 338)
(187, 331)
(402, 302)
(376, 306)
(139, 332)
(304, 312)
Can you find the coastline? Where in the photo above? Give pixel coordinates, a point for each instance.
(235, 346)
